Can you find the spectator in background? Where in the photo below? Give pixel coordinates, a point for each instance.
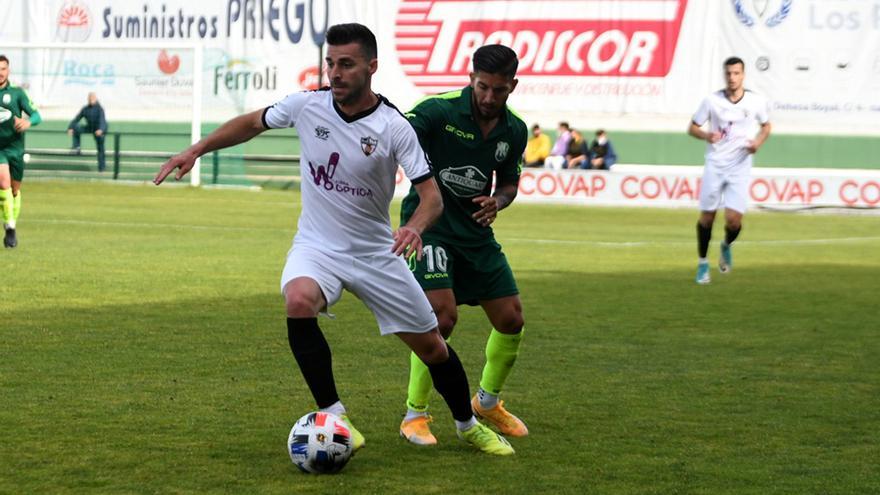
(602, 153)
(537, 148)
(95, 124)
(556, 160)
(578, 155)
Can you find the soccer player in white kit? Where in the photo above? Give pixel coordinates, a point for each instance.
(738, 125)
(352, 141)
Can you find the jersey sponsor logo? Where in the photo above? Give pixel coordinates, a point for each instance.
(501, 151)
(74, 22)
(5, 114)
(458, 132)
(368, 145)
(323, 176)
(7, 98)
(322, 133)
(464, 182)
(749, 12)
(631, 38)
(325, 173)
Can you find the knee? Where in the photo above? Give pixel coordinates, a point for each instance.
(511, 323)
(734, 224)
(436, 354)
(299, 305)
(446, 322)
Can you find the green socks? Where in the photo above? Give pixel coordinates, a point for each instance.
(6, 202)
(420, 385)
(501, 352)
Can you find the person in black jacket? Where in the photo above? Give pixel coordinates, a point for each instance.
(95, 124)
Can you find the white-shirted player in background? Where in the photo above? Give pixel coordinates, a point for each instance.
(352, 141)
(738, 125)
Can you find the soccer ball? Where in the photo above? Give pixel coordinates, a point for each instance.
(319, 442)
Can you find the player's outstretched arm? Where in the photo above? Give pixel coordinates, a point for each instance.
(408, 238)
(236, 131)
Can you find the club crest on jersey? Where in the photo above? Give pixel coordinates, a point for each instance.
(368, 145)
(7, 98)
(501, 151)
(322, 133)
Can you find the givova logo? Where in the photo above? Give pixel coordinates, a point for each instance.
(627, 38)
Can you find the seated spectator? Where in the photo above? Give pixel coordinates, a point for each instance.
(556, 160)
(602, 153)
(578, 155)
(537, 149)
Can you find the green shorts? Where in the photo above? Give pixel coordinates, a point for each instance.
(14, 158)
(473, 273)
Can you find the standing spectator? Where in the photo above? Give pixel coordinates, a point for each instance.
(578, 155)
(95, 124)
(537, 149)
(601, 152)
(556, 160)
(14, 105)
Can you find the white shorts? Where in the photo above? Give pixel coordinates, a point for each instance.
(727, 186)
(382, 281)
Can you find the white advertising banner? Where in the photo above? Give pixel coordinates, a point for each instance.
(679, 186)
(620, 64)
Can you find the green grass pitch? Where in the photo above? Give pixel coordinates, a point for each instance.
(144, 350)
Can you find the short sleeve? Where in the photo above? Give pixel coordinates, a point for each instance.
(408, 152)
(285, 112)
(763, 111)
(420, 119)
(702, 114)
(511, 169)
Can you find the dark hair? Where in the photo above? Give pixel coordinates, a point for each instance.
(496, 59)
(734, 61)
(536, 126)
(564, 124)
(4, 59)
(600, 132)
(343, 34)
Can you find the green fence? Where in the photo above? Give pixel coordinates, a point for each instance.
(135, 151)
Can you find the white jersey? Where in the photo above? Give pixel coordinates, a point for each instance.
(738, 124)
(348, 167)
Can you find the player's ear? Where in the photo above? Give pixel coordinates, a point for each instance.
(513, 84)
(472, 75)
(373, 65)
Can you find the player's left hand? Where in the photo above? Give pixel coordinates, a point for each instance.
(407, 241)
(752, 147)
(99, 132)
(488, 210)
(21, 124)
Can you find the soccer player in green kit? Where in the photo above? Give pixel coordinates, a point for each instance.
(469, 135)
(13, 102)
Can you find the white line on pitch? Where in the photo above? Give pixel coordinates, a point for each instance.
(833, 240)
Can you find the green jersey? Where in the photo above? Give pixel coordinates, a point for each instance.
(463, 162)
(13, 100)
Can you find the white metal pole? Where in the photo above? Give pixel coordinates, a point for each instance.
(196, 130)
